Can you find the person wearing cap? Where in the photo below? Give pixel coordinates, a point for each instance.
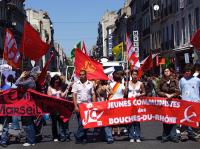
(27, 80)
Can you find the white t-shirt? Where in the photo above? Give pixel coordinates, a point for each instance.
(134, 92)
(119, 93)
(54, 92)
(84, 91)
(190, 89)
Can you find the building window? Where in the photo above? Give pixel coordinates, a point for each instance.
(196, 14)
(190, 25)
(146, 21)
(170, 6)
(183, 30)
(172, 36)
(145, 1)
(189, 2)
(1, 42)
(181, 4)
(163, 38)
(157, 39)
(167, 35)
(176, 5)
(177, 34)
(2, 13)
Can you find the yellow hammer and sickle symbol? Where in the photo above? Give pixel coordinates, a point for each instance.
(89, 67)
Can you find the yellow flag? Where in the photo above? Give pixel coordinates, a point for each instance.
(118, 51)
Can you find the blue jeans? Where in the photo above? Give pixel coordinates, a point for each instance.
(169, 132)
(15, 122)
(64, 131)
(134, 130)
(108, 133)
(54, 125)
(30, 133)
(190, 132)
(81, 132)
(4, 136)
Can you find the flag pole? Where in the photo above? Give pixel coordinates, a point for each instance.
(23, 48)
(127, 64)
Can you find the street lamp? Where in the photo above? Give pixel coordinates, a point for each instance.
(156, 7)
(125, 17)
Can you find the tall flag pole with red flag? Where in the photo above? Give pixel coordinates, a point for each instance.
(32, 45)
(131, 55)
(11, 53)
(195, 40)
(43, 74)
(146, 66)
(93, 68)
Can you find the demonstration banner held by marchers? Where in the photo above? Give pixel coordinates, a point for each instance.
(125, 111)
(32, 103)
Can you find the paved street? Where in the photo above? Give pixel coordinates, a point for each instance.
(151, 132)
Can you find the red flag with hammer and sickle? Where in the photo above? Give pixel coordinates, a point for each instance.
(93, 68)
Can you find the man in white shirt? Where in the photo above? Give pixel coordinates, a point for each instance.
(83, 92)
(189, 86)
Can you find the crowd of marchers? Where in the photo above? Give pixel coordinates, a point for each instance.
(123, 84)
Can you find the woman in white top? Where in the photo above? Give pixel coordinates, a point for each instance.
(117, 87)
(55, 90)
(135, 89)
(117, 92)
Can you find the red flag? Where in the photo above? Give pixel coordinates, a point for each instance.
(11, 53)
(148, 63)
(129, 47)
(84, 48)
(43, 74)
(132, 58)
(31, 45)
(140, 72)
(134, 61)
(146, 66)
(94, 69)
(195, 41)
(157, 60)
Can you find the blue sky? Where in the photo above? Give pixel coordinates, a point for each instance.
(75, 20)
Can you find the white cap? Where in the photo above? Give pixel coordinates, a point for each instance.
(35, 71)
